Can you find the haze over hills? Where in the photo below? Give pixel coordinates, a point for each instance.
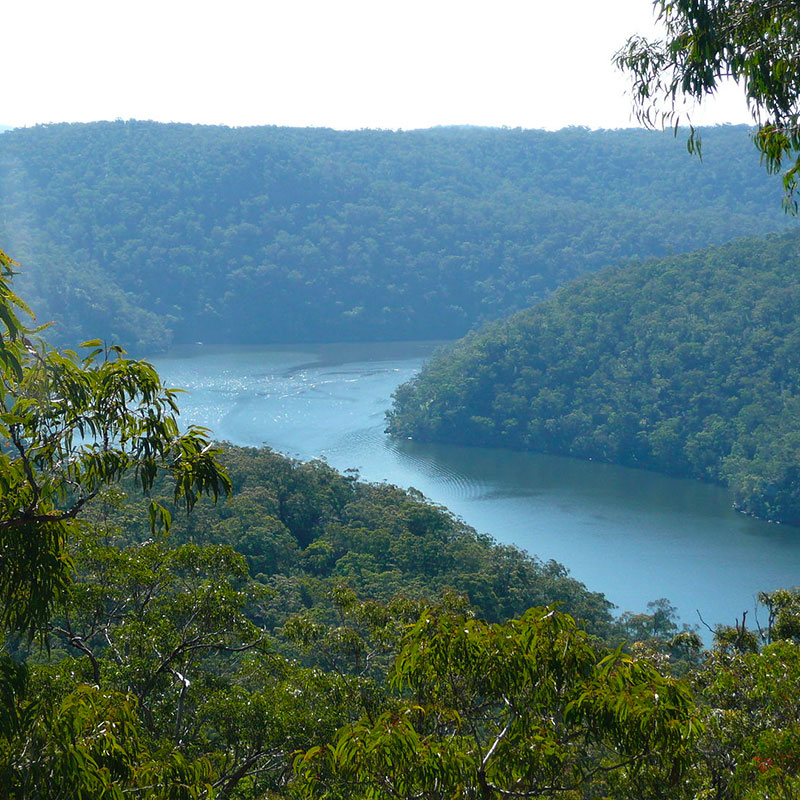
(190, 619)
(688, 365)
(269, 627)
(148, 234)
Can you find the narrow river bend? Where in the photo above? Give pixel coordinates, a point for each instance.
(636, 536)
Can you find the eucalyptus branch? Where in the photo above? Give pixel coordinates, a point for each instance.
(497, 740)
(50, 517)
(79, 644)
(26, 465)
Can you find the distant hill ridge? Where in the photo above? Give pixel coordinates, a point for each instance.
(147, 233)
(689, 365)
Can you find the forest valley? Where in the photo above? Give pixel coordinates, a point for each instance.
(184, 619)
(316, 636)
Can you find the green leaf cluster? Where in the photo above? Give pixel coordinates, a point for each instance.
(520, 709)
(707, 43)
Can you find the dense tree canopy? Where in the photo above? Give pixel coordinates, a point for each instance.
(523, 709)
(306, 528)
(72, 426)
(752, 42)
(323, 637)
(146, 233)
(687, 365)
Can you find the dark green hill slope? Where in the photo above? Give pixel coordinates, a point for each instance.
(147, 233)
(689, 365)
(306, 528)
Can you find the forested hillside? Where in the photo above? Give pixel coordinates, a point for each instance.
(321, 637)
(305, 528)
(689, 365)
(148, 233)
(318, 635)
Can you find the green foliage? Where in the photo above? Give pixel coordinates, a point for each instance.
(169, 632)
(72, 426)
(237, 673)
(13, 328)
(706, 43)
(750, 748)
(519, 709)
(656, 635)
(307, 529)
(183, 233)
(684, 365)
(83, 743)
(783, 620)
(147, 616)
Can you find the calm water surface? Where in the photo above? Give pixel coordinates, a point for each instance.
(636, 536)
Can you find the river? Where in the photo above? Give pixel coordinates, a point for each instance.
(636, 536)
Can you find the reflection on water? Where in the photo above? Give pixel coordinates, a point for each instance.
(633, 535)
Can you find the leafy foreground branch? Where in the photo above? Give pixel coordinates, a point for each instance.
(70, 426)
(755, 43)
(526, 708)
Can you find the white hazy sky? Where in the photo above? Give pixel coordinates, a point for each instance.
(336, 63)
